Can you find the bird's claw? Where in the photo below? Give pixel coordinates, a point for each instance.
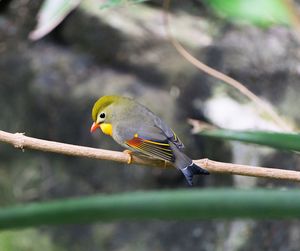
(129, 161)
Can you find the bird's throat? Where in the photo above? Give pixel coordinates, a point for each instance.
(106, 128)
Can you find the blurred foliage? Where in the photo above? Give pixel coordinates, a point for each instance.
(51, 14)
(185, 204)
(263, 13)
(258, 12)
(26, 240)
(284, 141)
(115, 3)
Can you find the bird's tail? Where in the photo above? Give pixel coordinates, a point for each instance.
(192, 170)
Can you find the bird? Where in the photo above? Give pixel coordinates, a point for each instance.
(136, 128)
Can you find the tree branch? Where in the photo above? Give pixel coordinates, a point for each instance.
(21, 141)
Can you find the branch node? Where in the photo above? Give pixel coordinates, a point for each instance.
(19, 141)
(205, 162)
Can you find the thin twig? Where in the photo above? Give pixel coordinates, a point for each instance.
(221, 76)
(21, 141)
(294, 15)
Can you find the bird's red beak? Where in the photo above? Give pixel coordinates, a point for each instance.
(94, 127)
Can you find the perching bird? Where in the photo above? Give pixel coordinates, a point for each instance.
(136, 128)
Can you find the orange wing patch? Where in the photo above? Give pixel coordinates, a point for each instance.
(159, 150)
(134, 142)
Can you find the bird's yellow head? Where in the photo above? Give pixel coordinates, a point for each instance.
(101, 114)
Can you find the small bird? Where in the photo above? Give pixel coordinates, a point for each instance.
(138, 129)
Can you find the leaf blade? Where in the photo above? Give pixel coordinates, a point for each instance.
(164, 205)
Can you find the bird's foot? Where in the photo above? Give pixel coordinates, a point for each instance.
(166, 163)
(129, 161)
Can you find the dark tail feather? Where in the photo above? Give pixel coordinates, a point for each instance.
(192, 170)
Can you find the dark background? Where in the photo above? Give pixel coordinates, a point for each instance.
(48, 87)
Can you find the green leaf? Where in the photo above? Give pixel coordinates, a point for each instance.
(259, 12)
(51, 14)
(284, 141)
(167, 205)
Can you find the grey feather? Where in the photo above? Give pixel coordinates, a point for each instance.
(168, 132)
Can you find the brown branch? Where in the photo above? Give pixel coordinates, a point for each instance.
(221, 76)
(21, 141)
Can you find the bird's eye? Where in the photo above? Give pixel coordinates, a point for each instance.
(102, 115)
